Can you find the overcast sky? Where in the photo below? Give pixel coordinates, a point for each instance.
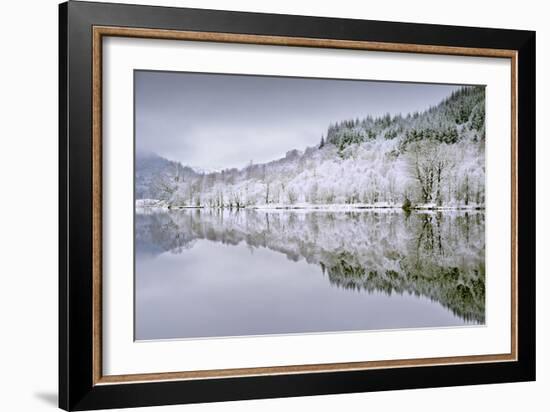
(215, 121)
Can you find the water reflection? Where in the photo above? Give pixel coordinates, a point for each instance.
(435, 257)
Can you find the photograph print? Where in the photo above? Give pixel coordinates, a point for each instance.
(272, 205)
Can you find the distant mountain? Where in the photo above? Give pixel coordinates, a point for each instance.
(150, 171)
(431, 159)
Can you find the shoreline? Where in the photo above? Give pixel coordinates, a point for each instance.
(327, 207)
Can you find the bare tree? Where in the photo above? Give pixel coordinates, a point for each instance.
(166, 183)
(430, 165)
(292, 196)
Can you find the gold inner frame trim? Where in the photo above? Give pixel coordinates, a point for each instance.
(100, 31)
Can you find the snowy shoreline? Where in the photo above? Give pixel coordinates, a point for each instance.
(150, 204)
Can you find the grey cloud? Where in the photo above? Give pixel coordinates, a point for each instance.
(222, 121)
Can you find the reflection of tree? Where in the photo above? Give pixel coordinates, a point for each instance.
(436, 255)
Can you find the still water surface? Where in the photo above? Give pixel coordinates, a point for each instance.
(207, 273)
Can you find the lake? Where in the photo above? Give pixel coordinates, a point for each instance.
(219, 272)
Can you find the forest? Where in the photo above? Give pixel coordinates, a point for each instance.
(434, 159)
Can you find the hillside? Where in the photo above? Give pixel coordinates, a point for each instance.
(430, 159)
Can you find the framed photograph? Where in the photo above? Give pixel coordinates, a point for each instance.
(257, 205)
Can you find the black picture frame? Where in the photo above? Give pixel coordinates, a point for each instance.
(77, 390)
